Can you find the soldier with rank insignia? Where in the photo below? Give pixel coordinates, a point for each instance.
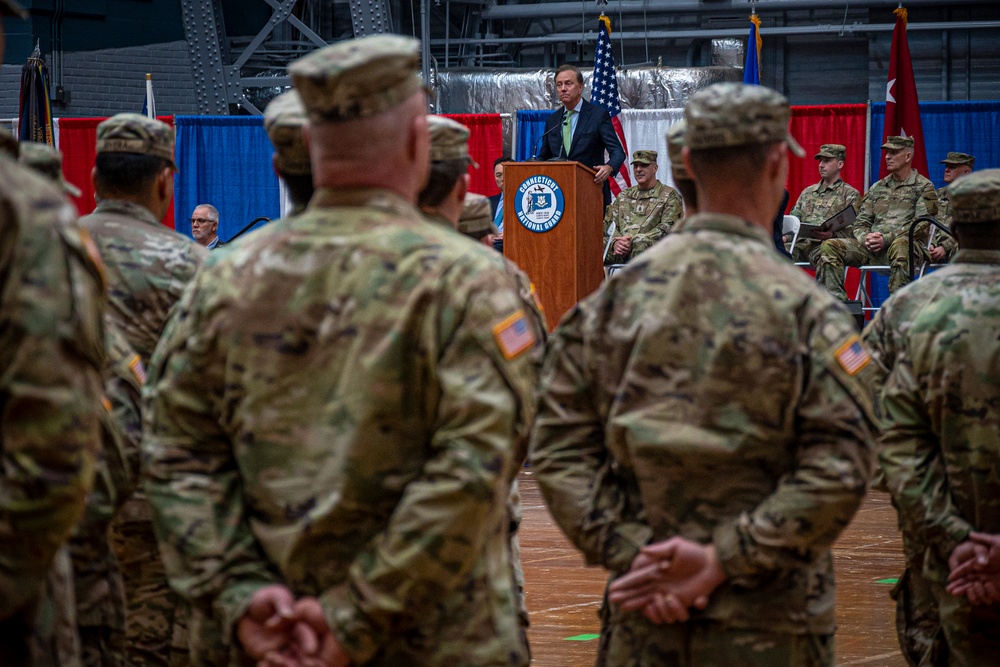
(284, 120)
(358, 514)
(706, 409)
(148, 266)
(883, 223)
(819, 202)
(956, 165)
(941, 445)
(643, 213)
(51, 354)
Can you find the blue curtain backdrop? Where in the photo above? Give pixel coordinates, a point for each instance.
(530, 128)
(966, 127)
(224, 161)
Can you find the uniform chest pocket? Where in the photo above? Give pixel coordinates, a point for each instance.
(882, 206)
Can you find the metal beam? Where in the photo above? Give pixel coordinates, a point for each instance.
(572, 9)
(370, 17)
(203, 30)
(591, 36)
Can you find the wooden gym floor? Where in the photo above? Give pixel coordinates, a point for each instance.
(563, 596)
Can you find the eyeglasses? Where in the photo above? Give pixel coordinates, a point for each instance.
(202, 221)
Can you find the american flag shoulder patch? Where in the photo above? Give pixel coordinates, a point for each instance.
(138, 369)
(513, 335)
(852, 355)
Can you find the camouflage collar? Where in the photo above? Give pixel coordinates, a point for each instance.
(127, 208)
(823, 187)
(977, 257)
(363, 197)
(727, 224)
(889, 180)
(653, 192)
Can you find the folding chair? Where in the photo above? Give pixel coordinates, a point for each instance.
(790, 224)
(610, 270)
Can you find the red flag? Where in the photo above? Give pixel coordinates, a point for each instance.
(902, 108)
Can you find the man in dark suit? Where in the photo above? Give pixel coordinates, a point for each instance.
(581, 131)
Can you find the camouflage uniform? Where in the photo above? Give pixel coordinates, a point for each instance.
(645, 216)
(710, 390)
(379, 485)
(819, 202)
(148, 267)
(100, 588)
(51, 351)
(888, 207)
(940, 448)
(917, 619)
(48, 161)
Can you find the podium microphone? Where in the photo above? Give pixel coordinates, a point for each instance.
(538, 143)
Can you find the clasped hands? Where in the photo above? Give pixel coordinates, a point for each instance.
(669, 578)
(975, 569)
(279, 631)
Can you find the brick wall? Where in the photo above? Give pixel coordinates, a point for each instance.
(110, 81)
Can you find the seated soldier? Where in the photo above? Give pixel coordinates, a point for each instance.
(956, 165)
(819, 202)
(643, 213)
(883, 224)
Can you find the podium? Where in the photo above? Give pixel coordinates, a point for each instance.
(553, 227)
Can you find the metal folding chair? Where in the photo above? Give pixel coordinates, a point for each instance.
(790, 224)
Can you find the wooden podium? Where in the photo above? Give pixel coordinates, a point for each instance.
(553, 228)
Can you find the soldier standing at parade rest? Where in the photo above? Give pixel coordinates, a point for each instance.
(355, 514)
(643, 213)
(284, 119)
(956, 165)
(819, 202)
(941, 444)
(148, 266)
(51, 354)
(883, 223)
(705, 409)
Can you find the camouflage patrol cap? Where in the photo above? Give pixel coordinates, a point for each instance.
(48, 161)
(11, 8)
(449, 140)
(737, 114)
(284, 119)
(959, 159)
(833, 151)
(898, 143)
(644, 157)
(675, 148)
(976, 197)
(476, 220)
(137, 134)
(357, 78)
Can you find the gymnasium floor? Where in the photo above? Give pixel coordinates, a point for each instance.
(563, 595)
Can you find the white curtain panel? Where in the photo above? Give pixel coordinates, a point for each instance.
(646, 129)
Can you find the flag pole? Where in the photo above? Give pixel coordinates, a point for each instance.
(150, 103)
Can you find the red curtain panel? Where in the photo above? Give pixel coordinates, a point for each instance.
(78, 143)
(485, 146)
(814, 126)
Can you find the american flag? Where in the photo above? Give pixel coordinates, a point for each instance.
(604, 93)
(852, 356)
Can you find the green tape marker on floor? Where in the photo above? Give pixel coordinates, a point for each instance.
(887, 581)
(582, 638)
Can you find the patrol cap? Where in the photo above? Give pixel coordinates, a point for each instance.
(136, 134)
(284, 119)
(898, 143)
(46, 160)
(476, 219)
(959, 159)
(675, 147)
(834, 151)
(449, 140)
(11, 8)
(644, 157)
(976, 197)
(357, 78)
(736, 114)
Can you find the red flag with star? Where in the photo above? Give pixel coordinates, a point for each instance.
(902, 108)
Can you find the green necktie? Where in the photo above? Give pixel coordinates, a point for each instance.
(568, 130)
